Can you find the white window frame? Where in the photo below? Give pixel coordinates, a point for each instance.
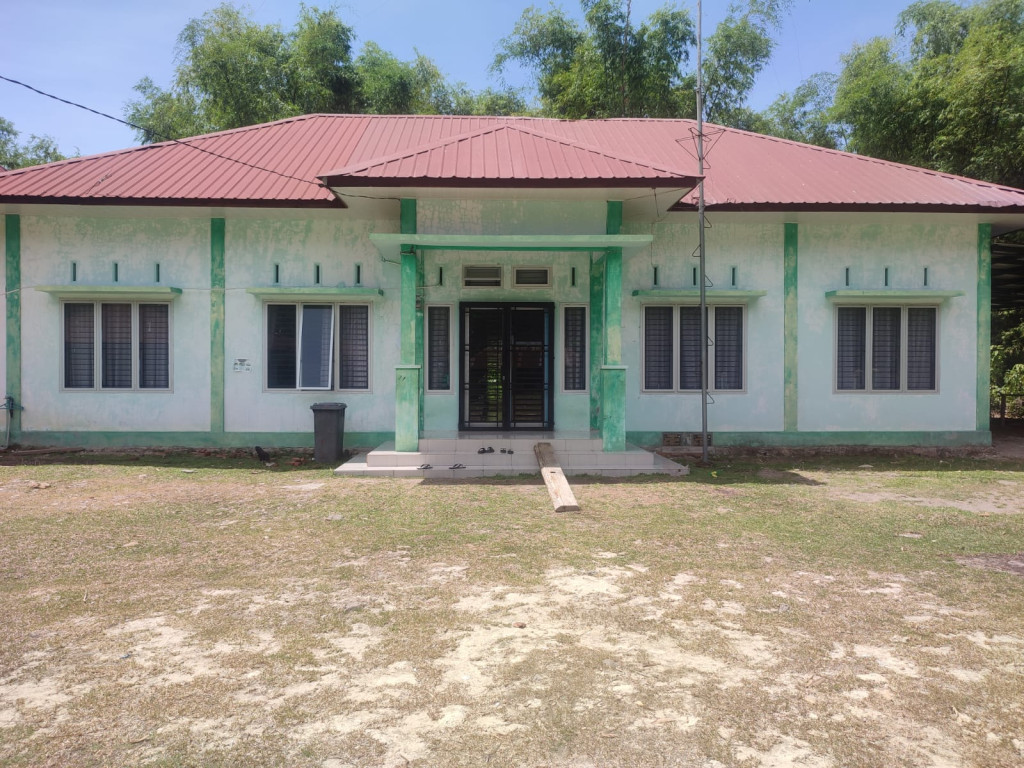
(868, 341)
(97, 358)
(451, 350)
(335, 347)
(676, 389)
(560, 348)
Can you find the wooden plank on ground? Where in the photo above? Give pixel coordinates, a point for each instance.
(554, 478)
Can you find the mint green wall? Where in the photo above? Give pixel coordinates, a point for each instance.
(756, 250)
(137, 243)
(3, 299)
(337, 242)
(905, 244)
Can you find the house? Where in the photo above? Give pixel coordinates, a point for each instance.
(442, 275)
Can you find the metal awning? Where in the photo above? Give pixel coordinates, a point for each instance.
(391, 244)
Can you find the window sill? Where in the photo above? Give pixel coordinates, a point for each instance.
(693, 294)
(316, 293)
(891, 296)
(88, 292)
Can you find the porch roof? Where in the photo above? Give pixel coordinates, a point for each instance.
(391, 244)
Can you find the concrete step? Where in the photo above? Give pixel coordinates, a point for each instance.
(578, 456)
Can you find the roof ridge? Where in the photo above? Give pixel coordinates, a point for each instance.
(481, 131)
(602, 152)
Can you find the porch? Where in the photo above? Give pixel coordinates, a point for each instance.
(491, 454)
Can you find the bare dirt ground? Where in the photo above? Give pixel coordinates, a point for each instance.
(193, 610)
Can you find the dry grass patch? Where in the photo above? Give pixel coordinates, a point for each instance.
(767, 615)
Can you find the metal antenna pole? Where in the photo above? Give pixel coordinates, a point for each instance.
(700, 224)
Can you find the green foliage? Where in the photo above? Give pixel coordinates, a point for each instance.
(611, 67)
(607, 68)
(738, 50)
(233, 72)
(948, 98)
(805, 114)
(36, 151)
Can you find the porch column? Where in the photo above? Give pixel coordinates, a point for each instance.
(613, 372)
(984, 363)
(407, 373)
(12, 256)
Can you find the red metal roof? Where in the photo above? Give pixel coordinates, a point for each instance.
(278, 164)
(507, 155)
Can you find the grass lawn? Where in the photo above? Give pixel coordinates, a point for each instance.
(180, 610)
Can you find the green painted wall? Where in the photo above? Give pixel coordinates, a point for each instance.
(791, 343)
(937, 438)
(12, 277)
(136, 241)
(217, 320)
(983, 409)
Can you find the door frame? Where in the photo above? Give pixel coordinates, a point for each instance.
(507, 423)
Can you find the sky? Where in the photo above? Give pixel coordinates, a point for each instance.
(94, 51)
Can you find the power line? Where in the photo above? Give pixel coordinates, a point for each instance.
(158, 135)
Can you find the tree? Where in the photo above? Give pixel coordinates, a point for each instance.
(233, 72)
(36, 151)
(611, 67)
(805, 114)
(951, 99)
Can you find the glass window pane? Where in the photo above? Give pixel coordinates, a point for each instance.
(851, 347)
(658, 348)
(885, 347)
(921, 323)
(689, 348)
(117, 345)
(317, 345)
(728, 348)
(354, 337)
(575, 349)
(439, 347)
(154, 353)
(281, 346)
(79, 342)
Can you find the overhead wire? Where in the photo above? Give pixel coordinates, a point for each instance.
(160, 136)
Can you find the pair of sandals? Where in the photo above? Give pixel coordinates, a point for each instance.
(430, 466)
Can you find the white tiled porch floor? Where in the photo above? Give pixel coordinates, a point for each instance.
(440, 453)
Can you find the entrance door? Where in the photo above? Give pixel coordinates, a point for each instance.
(506, 366)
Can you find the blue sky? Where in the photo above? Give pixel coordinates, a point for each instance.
(94, 52)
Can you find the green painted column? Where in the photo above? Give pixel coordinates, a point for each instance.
(12, 250)
(984, 324)
(613, 373)
(596, 336)
(408, 384)
(217, 363)
(791, 307)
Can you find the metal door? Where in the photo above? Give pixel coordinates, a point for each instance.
(506, 366)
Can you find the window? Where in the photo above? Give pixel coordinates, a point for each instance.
(439, 378)
(574, 348)
(128, 343)
(481, 277)
(672, 347)
(899, 342)
(531, 277)
(318, 346)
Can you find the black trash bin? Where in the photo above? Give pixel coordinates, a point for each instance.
(328, 432)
